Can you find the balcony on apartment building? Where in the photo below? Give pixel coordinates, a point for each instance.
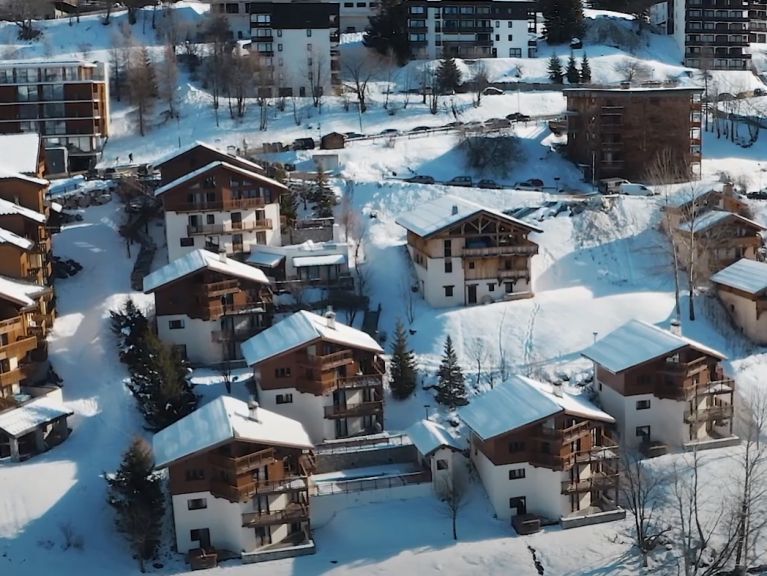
(709, 413)
(238, 334)
(229, 227)
(598, 481)
(322, 381)
(489, 246)
(243, 464)
(353, 410)
(218, 205)
(215, 309)
(294, 512)
(14, 341)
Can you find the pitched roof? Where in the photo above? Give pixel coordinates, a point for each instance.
(746, 275)
(7, 174)
(713, 218)
(7, 208)
(22, 293)
(8, 237)
(213, 165)
(27, 417)
(428, 436)
(299, 329)
(197, 260)
(637, 342)
(197, 144)
(684, 197)
(221, 420)
(521, 401)
(21, 152)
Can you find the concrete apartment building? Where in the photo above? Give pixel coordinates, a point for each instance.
(466, 254)
(664, 390)
(742, 289)
(355, 15)
(472, 29)
(325, 374)
(757, 21)
(540, 450)
(66, 102)
(619, 132)
(238, 478)
(297, 41)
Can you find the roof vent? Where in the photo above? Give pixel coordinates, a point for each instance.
(253, 410)
(222, 256)
(454, 211)
(676, 327)
(330, 318)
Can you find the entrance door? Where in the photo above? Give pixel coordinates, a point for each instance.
(518, 505)
(471, 295)
(201, 535)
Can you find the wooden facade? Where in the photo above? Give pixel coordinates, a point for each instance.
(195, 158)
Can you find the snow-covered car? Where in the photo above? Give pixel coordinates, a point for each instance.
(492, 91)
(533, 184)
(420, 179)
(631, 189)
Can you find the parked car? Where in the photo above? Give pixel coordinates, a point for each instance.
(420, 179)
(758, 195)
(492, 91)
(489, 184)
(497, 123)
(350, 135)
(453, 125)
(759, 92)
(389, 132)
(517, 117)
(611, 185)
(534, 184)
(421, 129)
(461, 181)
(631, 189)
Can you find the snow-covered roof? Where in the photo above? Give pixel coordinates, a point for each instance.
(213, 165)
(22, 293)
(629, 90)
(262, 258)
(7, 174)
(637, 342)
(25, 418)
(687, 196)
(746, 275)
(221, 420)
(197, 260)
(324, 260)
(428, 436)
(7, 208)
(170, 156)
(521, 401)
(713, 218)
(431, 217)
(299, 329)
(20, 153)
(8, 237)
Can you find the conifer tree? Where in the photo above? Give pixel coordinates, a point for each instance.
(556, 74)
(572, 74)
(387, 31)
(448, 75)
(129, 324)
(451, 389)
(135, 492)
(563, 20)
(402, 369)
(585, 70)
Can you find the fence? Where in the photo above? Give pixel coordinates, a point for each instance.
(363, 485)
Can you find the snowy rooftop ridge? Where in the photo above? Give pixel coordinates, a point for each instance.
(25, 418)
(521, 401)
(220, 420)
(714, 217)
(7, 208)
(212, 166)
(637, 342)
(20, 292)
(199, 144)
(20, 153)
(300, 329)
(428, 436)
(435, 215)
(199, 260)
(8, 237)
(747, 275)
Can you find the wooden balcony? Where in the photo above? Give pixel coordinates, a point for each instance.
(12, 325)
(11, 378)
(249, 490)
(360, 381)
(709, 414)
(329, 361)
(597, 481)
(243, 464)
(352, 410)
(565, 435)
(514, 273)
(217, 206)
(519, 250)
(294, 512)
(216, 309)
(229, 228)
(214, 289)
(18, 348)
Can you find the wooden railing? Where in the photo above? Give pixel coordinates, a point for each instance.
(10, 378)
(219, 288)
(513, 273)
(19, 347)
(294, 512)
(15, 324)
(501, 250)
(350, 410)
(243, 464)
(360, 381)
(217, 309)
(329, 361)
(721, 411)
(597, 481)
(217, 205)
(229, 228)
(566, 435)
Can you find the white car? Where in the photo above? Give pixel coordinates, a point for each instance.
(632, 189)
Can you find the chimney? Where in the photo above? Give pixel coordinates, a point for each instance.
(728, 189)
(253, 409)
(222, 256)
(556, 389)
(676, 327)
(330, 318)
(454, 211)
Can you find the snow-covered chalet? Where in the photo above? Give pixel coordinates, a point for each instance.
(742, 288)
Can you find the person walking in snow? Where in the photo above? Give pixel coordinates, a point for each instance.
(130, 158)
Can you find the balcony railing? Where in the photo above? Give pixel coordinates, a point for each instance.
(513, 273)
(501, 250)
(708, 414)
(293, 513)
(566, 435)
(217, 206)
(219, 288)
(243, 464)
(360, 381)
(15, 324)
(351, 410)
(11, 378)
(19, 347)
(229, 228)
(598, 481)
(329, 361)
(217, 309)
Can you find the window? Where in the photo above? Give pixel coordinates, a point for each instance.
(308, 32)
(176, 324)
(448, 266)
(186, 242)
(263, 18)
(643, 404)
(417, 10)
(515, 52)
(497, 24)
(193, 474)
(232, 8)
(516, 446)
(643, 432)
(196, 504)
(201, 535)
(279, 47)
(491, 287)
(449, 291)
(516, 474)
(284, 398)
(509, 286)
(279, 33)
(511, 37)
(600, 386)
(210, 219)
(348, 4)
(441, 464)
(448, 248)
(497, 37)
(282, 372)
(471, 265)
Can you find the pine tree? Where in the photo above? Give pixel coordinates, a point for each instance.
(402, 370)
(563, 20)
(129, 324)
(585, 70)
(555, 69)
(135, 492)
(448, 75)
(289, 207)
(451, 389)
(324, 198)
(572, 74)
(387, 31)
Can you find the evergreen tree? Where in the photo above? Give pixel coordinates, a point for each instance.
(555, 69)
(289, 207)
(402, 370)
(448, 75)
(451, 389)
(129, 324)
(563, 20)
(387, 31)
(572, 74)
(585, 70)
(324, 198)
(135, 492)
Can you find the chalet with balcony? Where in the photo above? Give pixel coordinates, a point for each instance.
(742, 289)
(466, 254)
(238, 477)
(545, 452)
(193, 157)
(664, 390)
(687, 204)
(206, 304)
(321, 264)
(324, 374)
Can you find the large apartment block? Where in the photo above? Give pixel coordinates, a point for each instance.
(757, 21)
(66, 102)
(472, 29)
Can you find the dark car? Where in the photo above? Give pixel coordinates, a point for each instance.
(492, 91)
(460, 181)
(303, 144)
(760, 195)
(420, 180)
(454, 125)
(488, 184)
(534, 184)
(350, 135)
(421, 129)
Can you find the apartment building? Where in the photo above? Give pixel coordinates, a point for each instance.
(757, 22)
(472, 29)
(296, 41)
(66, 102)
(207, 304)
(742, 289)
(324, 264)
(355, 15)
(221, 206)
(324, 374)
(540, 450)
(466, 254)
(620, 132)
(238, 479)
(664, 390)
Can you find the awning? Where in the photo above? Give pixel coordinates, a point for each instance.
(268, 259)
(326, 260)
(27, 417)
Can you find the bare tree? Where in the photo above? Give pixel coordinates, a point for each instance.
(408, 299)
(134, 6)
(143, 85)
(23, 13)
(242, 73)
(504, 366)
(168, 79)
(360, 72)
(119, 58)
(349, 218)
(217, 34)
(479, 82)
(317, 79)
(478, 353)
(454, 494)
(633, 70)
(108, 13)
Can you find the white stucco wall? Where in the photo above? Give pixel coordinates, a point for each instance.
(356, 14)
(292, 49)
(743, 312)
(196, 335)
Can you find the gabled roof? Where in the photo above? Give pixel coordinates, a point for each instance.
(239, 159)
(6, 174)
(684, 197)
(196, 261)
(521, 401)
(212, 166)
(7, 208)
(713, 218)
(440, 213)
(8, 237)
(428, 436)
(637, 342)
(747, 275)
(299, 329)
(19, 292)
(21, 153)
(29, 416)
(220, 421)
